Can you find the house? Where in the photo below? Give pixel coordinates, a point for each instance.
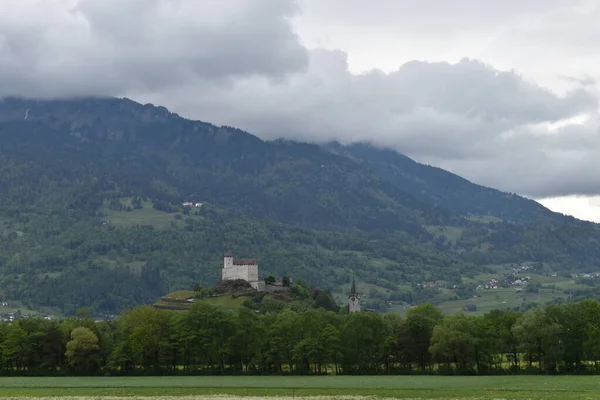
(190, 204)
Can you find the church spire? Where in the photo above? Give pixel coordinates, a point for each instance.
(353, 287)
(353, 300)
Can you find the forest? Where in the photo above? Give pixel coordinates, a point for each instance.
(209, 340)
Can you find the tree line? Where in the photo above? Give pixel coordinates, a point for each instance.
(212, 340)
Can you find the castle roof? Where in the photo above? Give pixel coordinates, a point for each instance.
(245, 261)
(229, 254)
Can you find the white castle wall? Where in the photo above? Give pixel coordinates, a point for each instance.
(236, 272)
(247, 272)
(252, 272)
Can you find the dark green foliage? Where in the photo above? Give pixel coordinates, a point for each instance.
(212, 340)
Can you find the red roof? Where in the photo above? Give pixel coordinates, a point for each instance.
(229, 254)
(245, 261)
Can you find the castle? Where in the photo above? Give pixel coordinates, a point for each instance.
(243, 268)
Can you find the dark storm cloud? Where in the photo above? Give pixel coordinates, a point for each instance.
(239, 63)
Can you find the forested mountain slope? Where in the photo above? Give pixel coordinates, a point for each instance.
(445, 189)
(91, 211)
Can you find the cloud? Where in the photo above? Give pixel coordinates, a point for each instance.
(423, 17)
(240, 63)
(490, 126)
(585, 80)
(586, 208)
(69, 47)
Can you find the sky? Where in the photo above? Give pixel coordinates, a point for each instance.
(504, 94)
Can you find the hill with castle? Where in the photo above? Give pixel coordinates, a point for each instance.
(242, 286)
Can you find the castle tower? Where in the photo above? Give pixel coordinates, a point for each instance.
(228, 260)
(353, 299)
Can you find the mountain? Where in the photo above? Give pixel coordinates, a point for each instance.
(92, 211)
(442, 188)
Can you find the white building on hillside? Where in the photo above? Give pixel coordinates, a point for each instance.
(243, 268)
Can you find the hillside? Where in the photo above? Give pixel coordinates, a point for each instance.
(92, 212)
(237, 294)
(444, 189)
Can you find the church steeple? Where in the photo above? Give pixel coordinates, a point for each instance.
(353, 299)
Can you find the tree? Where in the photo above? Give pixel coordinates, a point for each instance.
(82, 350)
(538, 337)
(147, 331)
(454, 341)
(13, 347)
(330, 337)
(420, 323)
(83, 313)
(325, 300)
(363, 337)
(501, 338)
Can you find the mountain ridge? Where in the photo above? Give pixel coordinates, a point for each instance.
(402, 170)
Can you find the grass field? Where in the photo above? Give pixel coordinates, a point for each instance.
(225, 301)
(498, 298)
(146, 215)
(403, 387)
(181, 295)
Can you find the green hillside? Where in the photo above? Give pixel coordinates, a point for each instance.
(92, 214)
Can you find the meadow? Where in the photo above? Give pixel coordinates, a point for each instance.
(318, 388)
(146, 215)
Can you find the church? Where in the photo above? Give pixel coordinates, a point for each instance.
(353, 299)
(242, 268)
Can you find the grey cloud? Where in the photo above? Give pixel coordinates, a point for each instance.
(64, 47)
(538, 163)
(487, 125)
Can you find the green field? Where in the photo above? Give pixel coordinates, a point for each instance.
(404, 387)
(146, 215)
(226, 301)
(500, 298)
(452, 233)
(181, 295)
